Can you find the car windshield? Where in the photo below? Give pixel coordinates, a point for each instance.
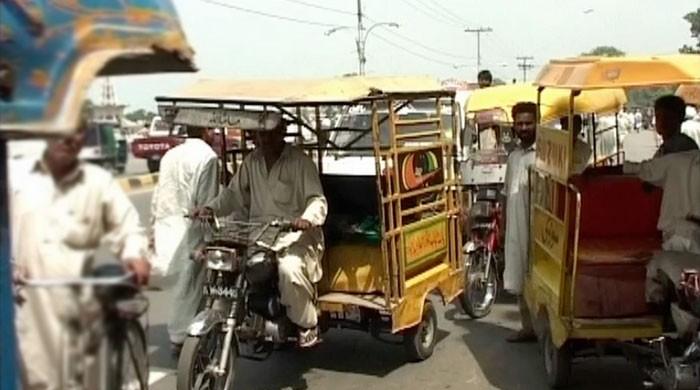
(356, 139)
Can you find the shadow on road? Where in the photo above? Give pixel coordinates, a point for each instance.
(519, 366)
(343, 351)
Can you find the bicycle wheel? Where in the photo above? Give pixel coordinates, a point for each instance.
(127, 356)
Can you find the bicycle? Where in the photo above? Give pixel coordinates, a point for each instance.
(102, 330)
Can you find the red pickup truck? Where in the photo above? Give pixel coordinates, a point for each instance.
(162, 138)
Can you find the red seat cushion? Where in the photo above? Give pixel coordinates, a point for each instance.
(617, 250)
(617, 238)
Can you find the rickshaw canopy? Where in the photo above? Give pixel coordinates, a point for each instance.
(304, 91)
(584, 73)
(690, 93)
(54, 50)
(554, 103)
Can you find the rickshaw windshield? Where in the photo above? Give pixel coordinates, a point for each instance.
(359, 137)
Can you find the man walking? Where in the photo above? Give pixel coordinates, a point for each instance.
(188, 179)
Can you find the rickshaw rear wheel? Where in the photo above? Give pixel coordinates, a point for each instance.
(420, 340)
(557, 361)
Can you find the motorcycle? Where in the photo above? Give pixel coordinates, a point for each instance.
(242, 315)
(672, 361)
(483, 254)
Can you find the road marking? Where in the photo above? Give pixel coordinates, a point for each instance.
(157, 375)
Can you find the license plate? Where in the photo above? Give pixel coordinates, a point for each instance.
(220, 292)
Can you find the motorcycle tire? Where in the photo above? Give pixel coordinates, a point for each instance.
(198, 351)
(472, 305)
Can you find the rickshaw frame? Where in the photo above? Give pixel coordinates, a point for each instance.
(550, 281)
(400, 297)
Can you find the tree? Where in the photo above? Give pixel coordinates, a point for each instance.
(694, 19)
(605, 51)
(140, 115)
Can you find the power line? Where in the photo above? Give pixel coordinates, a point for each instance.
(446, 12)
(398, 46)
(430, 15)
(269, 15)
(321, 7)
(422, 45)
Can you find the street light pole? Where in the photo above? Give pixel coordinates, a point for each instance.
(361, 41)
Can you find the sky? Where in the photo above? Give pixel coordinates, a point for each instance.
(430, 40)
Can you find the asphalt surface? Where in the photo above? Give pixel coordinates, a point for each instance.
(470, 354)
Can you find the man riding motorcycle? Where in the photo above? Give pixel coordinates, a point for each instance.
(278, 181)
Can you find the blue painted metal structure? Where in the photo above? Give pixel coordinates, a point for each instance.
(50, 51)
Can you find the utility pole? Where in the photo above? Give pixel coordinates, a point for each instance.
(524, 65)
(478, 32)
(360, 42)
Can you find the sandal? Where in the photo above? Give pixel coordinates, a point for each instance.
(308, 337)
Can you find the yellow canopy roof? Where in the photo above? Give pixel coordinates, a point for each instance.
(620, 72)
(690, 93)
(332, 90)
(554, 103)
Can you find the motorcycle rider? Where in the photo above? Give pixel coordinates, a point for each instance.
(279, 181)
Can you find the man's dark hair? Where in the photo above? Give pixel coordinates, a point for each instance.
(195, 131)
(524, 107)
(564, 121)
(485, 75)
(673, 104)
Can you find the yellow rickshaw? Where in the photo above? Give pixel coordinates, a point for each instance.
(487, 142)
(593, 234)
(690, 93)
(393, 231)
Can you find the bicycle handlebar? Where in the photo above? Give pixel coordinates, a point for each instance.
(123, 280)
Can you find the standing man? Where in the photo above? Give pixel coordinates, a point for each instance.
(278, 181)
(517, 213)
(61, 213)
(188, 179)
(485, 79)
(669, 112)
(582, 150)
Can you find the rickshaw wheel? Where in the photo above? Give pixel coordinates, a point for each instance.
(557, 361)
(419, 341)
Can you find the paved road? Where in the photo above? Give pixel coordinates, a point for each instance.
(469, 355)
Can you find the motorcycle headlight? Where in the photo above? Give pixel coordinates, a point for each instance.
(221, 260)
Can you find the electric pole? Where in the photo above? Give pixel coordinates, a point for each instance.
(360, 42)
(524, 65)
(478, 32)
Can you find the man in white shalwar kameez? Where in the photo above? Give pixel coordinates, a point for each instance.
(62, 211)
(679, 219)
(188, 179)
(278, 181)
(517, 238)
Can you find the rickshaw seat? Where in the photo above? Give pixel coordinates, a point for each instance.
(617, 238)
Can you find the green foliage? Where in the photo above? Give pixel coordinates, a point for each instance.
(140, 115)
(605, 51)
(694, 19)
(645, 97)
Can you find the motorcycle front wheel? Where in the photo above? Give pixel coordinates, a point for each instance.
(198, 359)
(480, 284)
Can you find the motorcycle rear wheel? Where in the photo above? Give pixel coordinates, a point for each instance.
(480, 289)
(199, 353)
